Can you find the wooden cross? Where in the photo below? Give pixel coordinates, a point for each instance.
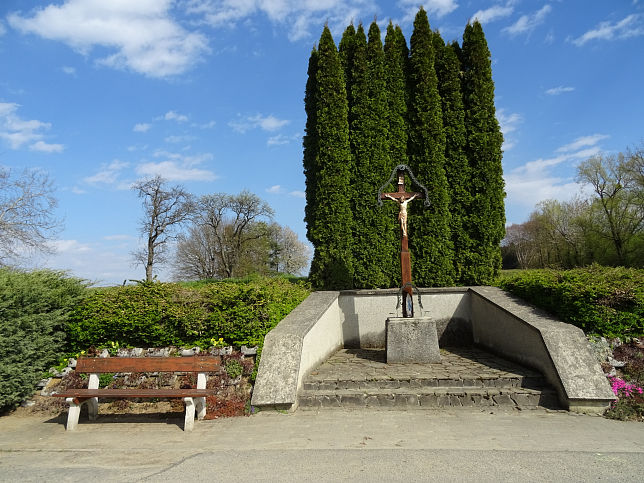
(403, 198)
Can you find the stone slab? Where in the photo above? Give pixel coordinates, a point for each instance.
(412, 340)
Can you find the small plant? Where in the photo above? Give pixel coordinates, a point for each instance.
(105, 379)
(234, 368)
(218, 343)
(629, 403)
(113, 348)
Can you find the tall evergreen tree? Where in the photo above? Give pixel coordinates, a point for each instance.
(429, 228)
(373, 232)
(347, 50)
(456, 165)
(484, 141)
(331, 228)
(396, 60)
(310, 141)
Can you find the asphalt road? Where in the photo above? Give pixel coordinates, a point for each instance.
(330, 445)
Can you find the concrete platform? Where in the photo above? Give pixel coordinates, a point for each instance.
(465, 376)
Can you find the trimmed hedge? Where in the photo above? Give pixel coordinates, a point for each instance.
(602, 301)
(161, 314)
(34, 309)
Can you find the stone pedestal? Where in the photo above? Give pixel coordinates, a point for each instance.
(412, 340)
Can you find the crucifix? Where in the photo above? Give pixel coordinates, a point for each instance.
(403, 197)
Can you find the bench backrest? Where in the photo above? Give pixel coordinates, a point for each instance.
(148, 364)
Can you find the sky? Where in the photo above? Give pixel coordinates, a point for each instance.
(209, 94)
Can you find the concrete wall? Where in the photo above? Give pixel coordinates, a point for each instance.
(327, 321)
(510, 327)
(364, 313)
(302, 340)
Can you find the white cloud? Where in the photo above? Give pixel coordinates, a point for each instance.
(141, 34)
(267, 123)
(280, 190)
(536, 181)
(509, 122)
(177, 167)
(44, 147)
(281, 139)
(298, 17)
(206, 125)
(630, 26)
(173, 171)
(179, 139)
(439, 8)
(527, 23)
(119, 237)
(173, 116)
(100, 263)
(493, 13)
(275, 189)
(582, 142)
(555, 91)
(108, 174)
(69, 246)
(69, 70)
(18, 132)
(142, 127)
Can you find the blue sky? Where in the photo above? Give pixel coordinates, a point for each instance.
(209, 94)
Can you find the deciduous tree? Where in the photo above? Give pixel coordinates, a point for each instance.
(165, 209)
(27, 220)
(619, 214)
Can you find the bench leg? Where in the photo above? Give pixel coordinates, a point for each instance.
(200, 403)
(189, 423)
(72, 414)
(92, 408)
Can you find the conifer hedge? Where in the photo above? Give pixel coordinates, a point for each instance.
(330, 221)
(370, 108)
(34, 311)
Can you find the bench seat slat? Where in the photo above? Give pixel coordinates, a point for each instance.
(148, 364)
(142, 393)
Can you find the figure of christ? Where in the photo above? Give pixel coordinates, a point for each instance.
(402, 215)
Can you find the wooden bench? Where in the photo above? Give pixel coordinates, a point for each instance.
(95, 366)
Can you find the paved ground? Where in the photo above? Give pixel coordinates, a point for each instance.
(331, 445)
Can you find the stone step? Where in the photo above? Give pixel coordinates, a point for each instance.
(465, 376)
(384, 382)
(428, 397)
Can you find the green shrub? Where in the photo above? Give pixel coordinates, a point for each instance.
(34, 309)
(160, 314)
(602, 301)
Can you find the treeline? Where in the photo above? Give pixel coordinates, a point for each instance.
(213, 236)
(371, 107)
(605, 227)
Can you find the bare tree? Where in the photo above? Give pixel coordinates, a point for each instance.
(230, 219)
(27, 220)
(229, 238)
(520, 242)
(165, 209)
